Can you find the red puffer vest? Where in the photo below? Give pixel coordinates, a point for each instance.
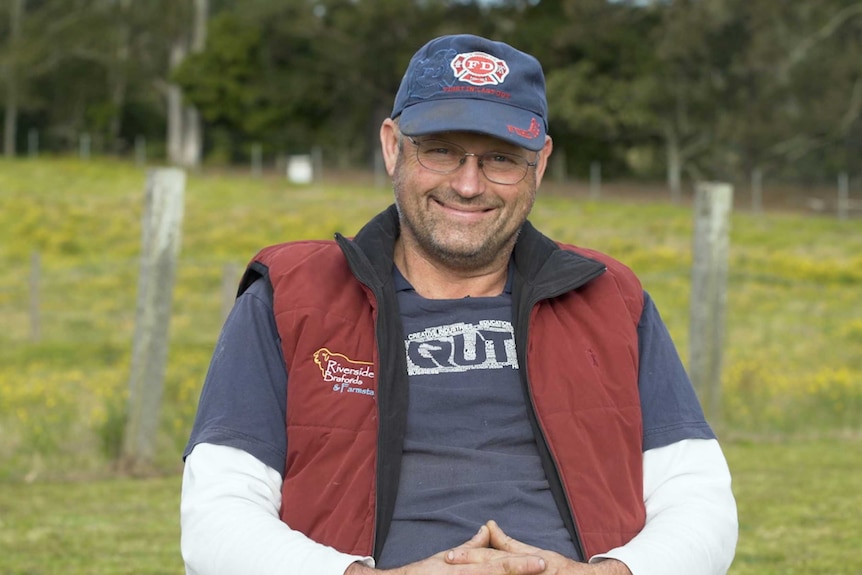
(575, 316)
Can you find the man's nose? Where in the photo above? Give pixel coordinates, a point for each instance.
(469, 180)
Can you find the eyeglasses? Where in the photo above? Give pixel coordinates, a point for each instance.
(445, 157)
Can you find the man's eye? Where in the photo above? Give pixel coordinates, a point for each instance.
(437, 149)
(500, 159)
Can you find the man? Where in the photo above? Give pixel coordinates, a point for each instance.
(451, 392)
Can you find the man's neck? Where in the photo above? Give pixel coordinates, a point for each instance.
(432, 280)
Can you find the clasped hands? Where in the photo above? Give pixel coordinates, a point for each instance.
(492, 552)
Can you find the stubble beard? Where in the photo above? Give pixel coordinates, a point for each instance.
(456, 249)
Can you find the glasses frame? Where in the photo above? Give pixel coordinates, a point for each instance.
(479, 159)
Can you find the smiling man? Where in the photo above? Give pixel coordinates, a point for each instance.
(451, 392)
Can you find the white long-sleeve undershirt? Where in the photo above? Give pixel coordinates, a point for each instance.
(230, 517)
(691, 521)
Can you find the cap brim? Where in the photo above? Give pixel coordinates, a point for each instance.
(508, 123)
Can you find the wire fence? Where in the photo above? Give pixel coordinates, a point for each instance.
(49, 299)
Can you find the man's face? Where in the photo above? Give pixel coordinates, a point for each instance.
(461, 220)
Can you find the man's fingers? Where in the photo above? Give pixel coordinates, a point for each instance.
(499, 540)
(496, 561)
(497, 553)
(482, 538)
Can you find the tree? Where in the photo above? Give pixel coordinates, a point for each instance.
(252, 82)
(796, 89)
(693, 44)
(688, 88)
(11, 68)
(184, 130)
(299, 74)
(596, 68)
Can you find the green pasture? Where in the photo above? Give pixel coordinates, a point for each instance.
(798, 505)
(792, 382)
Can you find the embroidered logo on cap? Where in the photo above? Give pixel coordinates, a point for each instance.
(345, 375)
(532, 132)
(479, 68)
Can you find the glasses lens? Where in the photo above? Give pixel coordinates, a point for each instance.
(439, 156)
(504, 168)
(445, 157)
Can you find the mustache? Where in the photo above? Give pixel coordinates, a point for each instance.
(452, 198)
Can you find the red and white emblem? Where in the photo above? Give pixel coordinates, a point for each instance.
(479, 68)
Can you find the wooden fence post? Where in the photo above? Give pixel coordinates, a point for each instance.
(84, 145)
(140, 151)
(33, 143)
(558, 161)
(712, 208)
(757, 191)
(160, 245)
(843, 195)
(381, 177)
(595, 180)
(317, 163)
(229, 281)
(256, 160)
(35, 296)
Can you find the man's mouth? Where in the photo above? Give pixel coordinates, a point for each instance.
(465, 209)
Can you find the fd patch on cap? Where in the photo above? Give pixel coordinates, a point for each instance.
(479, 69)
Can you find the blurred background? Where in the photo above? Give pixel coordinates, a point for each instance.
(270, 109)
(664, 90)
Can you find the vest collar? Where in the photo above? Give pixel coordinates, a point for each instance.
(546, 270)
(371, 253)
(540, 263)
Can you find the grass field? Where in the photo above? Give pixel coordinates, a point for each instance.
(792, 383)
(798, 507)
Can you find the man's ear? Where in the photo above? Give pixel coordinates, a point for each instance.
(542, 160)
(389, 143)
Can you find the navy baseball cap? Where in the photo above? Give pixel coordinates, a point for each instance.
(465, 83)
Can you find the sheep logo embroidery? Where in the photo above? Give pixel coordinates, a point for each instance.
(345, 375)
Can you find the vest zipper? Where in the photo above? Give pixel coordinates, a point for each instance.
(391, 401)
(524, 329)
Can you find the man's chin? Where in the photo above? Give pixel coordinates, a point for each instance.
(463, 256)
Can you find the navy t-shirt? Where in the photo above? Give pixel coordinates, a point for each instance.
(469, 451)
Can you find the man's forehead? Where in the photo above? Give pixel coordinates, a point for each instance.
(473, 138)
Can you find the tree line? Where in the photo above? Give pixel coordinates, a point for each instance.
(663, 89)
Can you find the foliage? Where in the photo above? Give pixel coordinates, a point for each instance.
(784, 103)
(696, 89)
(595, 65)
(220, 80)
